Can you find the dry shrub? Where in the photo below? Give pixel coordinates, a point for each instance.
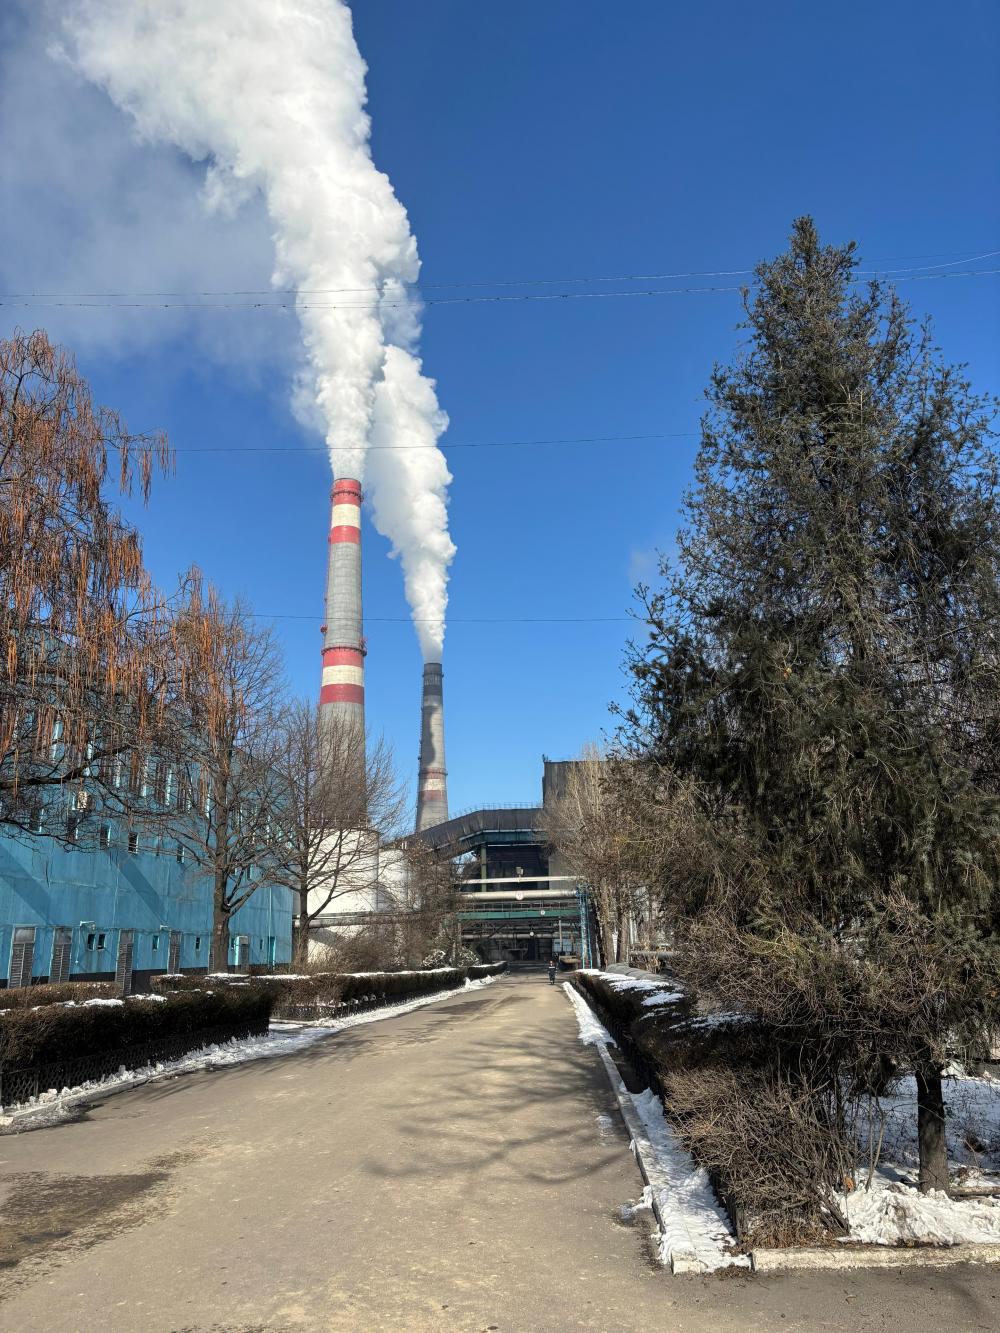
(773, 1137)
(770, 1143)
(28, 997)
(371, 950)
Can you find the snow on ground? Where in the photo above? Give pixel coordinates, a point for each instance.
(691, 1222)
(55, 1105)
(692, 1217)
(973, 1122)
(891, 1211)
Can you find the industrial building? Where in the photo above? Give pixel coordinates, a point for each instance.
(518, 902)
(127, 908)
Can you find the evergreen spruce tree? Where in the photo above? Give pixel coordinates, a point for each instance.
(824, 665)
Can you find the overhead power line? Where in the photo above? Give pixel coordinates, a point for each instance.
(849, 410)
(41, 301)
(879, 270)
(460, 620)
(441, 444)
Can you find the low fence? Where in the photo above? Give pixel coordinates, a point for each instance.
(20, 1085)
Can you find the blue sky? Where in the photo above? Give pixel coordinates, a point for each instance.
(551, 139)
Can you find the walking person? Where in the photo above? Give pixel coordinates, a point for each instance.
(552, 971)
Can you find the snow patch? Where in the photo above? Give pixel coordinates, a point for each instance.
(692, 1218)
(694, 1231)
(663, 997)
(891, 1213)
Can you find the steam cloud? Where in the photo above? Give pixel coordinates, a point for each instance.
(271, 97)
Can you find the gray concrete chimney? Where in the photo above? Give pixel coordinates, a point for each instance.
(432, 780)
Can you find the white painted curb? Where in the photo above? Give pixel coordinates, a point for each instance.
(680, 1246)
(873, 1256)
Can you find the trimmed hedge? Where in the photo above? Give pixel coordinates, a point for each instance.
(167, 983)
(68, 1032)
(622, 1004)
(329, 989)
(27, 997)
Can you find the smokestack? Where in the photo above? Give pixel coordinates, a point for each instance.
(432, 782)
(342, 694)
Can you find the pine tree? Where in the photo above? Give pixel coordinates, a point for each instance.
(824, 664)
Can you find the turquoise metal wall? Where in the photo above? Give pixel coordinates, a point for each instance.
(99, 891)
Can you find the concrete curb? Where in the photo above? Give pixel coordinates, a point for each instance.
(872, 1256)
(683, 1258)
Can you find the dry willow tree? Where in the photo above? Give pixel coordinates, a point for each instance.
(85, 662)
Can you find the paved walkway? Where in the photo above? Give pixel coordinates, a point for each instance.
(458, 1168)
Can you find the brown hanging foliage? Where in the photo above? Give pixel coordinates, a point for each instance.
(85, 666)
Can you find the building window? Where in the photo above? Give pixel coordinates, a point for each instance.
(73, 827)
(96, 940)
(22, 956)
(133, 842)
(104, 836)
(180, 853)
(197, 944)
(156, 944)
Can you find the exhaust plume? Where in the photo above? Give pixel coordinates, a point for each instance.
(271, 98)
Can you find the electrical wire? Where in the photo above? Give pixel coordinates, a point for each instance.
(459, 620)
(968, 258)
(442, 444)
(47, 303)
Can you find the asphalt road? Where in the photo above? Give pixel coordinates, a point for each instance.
(462, 1167)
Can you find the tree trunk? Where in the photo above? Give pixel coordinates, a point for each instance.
(302, 942)
(605, 941)
(931, 1130)
(219, 960)
(302, 934)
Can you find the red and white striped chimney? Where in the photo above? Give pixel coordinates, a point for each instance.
(342, 694)
(432, 778)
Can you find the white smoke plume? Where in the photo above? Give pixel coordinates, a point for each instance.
(271, 96)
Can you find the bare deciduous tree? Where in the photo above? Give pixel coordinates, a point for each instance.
(601, 829)
(229, 796)
(341, 800)
(425, 903)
